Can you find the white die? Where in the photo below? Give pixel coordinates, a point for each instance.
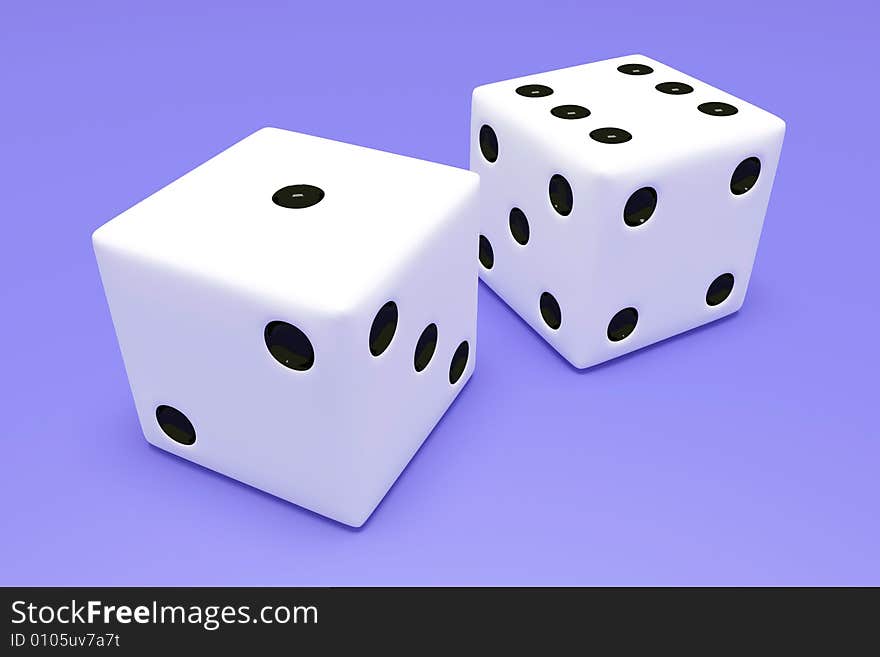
(564, 151)
(294, 243)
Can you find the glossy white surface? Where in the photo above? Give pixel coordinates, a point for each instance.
(592, 262)
(195, 272)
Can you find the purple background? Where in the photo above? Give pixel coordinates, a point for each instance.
(745, 452)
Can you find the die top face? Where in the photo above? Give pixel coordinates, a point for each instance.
(305, 220)
(622, 114)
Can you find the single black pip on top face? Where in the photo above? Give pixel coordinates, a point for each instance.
(717, 109)
(298, 196)
(534, 90)
(570, 112)
(610, 135)
(674, 88)
(635, 69)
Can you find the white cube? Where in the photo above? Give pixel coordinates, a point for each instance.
(297, 313)
(621, 202)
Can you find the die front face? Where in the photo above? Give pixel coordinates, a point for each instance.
(297, 313)
(621, 202)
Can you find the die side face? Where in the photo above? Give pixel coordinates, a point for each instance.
(636, 199)
(317, 401)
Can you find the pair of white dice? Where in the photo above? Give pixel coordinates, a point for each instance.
(298, 313)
